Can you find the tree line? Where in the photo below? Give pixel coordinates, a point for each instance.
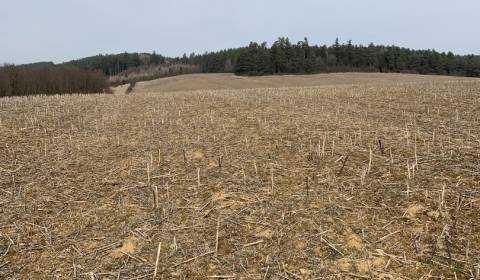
(48, 78)
(115, 64)
(90, 74)
(86, 75)
(283, 57)
(127, 68)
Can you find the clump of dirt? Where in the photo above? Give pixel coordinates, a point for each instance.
(219, 196)
(261, 232)
(129, 246)
(435, 215)
(414, 210)
(197, 156)
(354, 242)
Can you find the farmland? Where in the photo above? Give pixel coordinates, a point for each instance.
(335, 176)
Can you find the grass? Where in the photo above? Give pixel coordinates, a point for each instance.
(354, 181)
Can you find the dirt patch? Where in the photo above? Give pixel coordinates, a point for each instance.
(129, 246)
(354, 242)
(263, 233)
(414, 210)
(197, 156)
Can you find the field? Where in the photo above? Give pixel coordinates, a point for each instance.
(338, 176)
(229, 81)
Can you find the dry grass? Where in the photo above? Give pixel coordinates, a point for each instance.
(121, 89)
(366, 181)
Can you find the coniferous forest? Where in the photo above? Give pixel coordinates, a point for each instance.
(91, 74)
(283, 57)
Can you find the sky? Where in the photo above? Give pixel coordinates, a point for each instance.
(62, 30)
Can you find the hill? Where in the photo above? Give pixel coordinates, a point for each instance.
(231, 81)
(92, 74)
(284, 57)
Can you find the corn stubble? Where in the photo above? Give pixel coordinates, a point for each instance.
(364, 181)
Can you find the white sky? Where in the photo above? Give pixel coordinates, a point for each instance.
(61, 30)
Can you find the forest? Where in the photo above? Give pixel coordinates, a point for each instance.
(48, 78)
(114, 64)
(135, 67)
(283, 57)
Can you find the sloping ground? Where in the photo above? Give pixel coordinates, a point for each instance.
(334, 182)
(121, 89)
(230, 81)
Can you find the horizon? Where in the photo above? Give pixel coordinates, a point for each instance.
(90, 28)
(240, 46)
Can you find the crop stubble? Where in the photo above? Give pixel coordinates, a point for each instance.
(346, 181)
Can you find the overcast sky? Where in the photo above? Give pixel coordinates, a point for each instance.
(61, 30)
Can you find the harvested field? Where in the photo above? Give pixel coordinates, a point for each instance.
(230, 81)
(377, 179)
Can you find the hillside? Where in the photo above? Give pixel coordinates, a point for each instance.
(284, 57)
(231, 81)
